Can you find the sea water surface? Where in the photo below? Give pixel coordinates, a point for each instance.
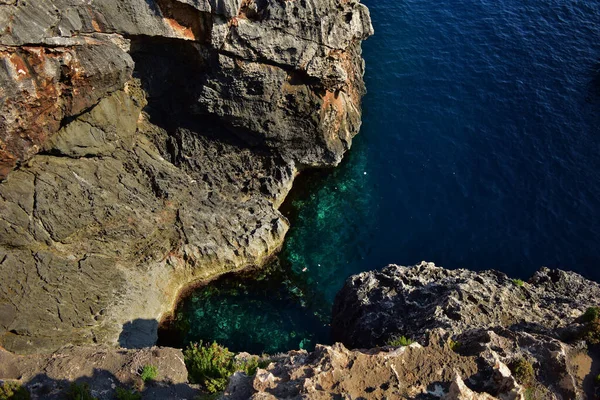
(480, 149)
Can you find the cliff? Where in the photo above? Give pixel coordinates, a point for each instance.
(147, 144)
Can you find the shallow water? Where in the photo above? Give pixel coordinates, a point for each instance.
(480, 149)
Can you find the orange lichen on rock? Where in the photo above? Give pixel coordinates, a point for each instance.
(181, 31)
(345, 60)
(42, 86)
(333, 106)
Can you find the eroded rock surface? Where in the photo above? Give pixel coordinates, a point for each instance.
(375, 306)
(103, 369)
(534, 331)
(147, 144)
(412, 372)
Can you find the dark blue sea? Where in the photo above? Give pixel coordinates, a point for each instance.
(480, 149)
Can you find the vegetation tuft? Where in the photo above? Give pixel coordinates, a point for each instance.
(591, 331)
(454, 345)
(212, 365)
(591, 314)
(13, 391)
(397, 341)
(518, 282)
(523, 371)
(149, 373)
(80, 391)
(126, 394)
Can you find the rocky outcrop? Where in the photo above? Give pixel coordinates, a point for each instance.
(493, 359)
(539, 329)
(375, 306)
(479, 336)
(102, 369)
(434, 371)
(147, 144)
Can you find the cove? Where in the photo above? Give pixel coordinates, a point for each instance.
(480, 149)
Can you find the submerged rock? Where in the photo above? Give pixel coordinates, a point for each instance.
(147, 144)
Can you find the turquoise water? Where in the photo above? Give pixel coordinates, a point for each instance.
(480, 149)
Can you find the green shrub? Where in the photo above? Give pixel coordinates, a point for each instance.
(591, 330)
(13, 391)
(597, 380)
(125, 394)
(523, 371)
(149, 373)
(212, 365)
(537, 392)
(80, 392)
(591, 314)
(518, 282)
(399, 341)
(454, 346)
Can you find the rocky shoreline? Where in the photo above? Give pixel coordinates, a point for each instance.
(147, 145)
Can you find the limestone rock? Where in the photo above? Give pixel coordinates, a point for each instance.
(92, 246)
(41, 86)
(117, 192)
(525, 337)
(302, 73)
(374, 306)
(414, 372)
(287, 73)
(104, 369)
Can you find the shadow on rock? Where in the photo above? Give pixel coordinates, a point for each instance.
(103, 385)
(97, 372)
(139, 333)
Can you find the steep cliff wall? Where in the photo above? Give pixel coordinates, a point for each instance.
(147, 144)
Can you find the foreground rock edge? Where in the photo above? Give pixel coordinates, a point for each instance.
(495, 360)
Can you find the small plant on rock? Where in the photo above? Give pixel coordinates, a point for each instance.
(523, 371)
(454, 345)
(79, 391)
(212, 365)
(149, 373)
(591, 314)
(518, 282)
(126, 394)
(591, 330)
(13, 391)
(398, 341)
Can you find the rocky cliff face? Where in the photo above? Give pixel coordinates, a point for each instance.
(147, 144)
(544, 332)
